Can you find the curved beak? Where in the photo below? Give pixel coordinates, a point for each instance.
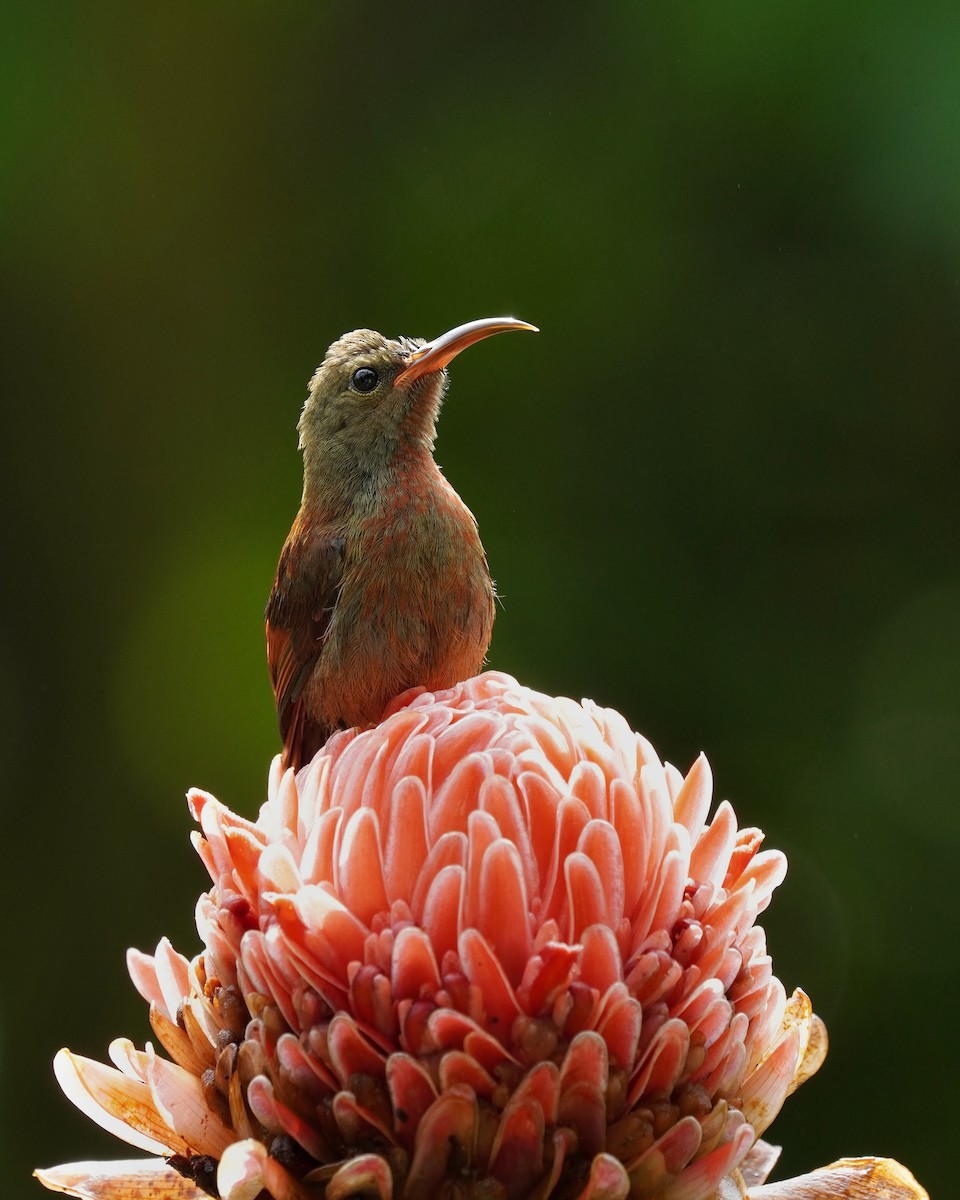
(435, 355)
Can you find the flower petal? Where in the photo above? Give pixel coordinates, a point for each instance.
(450, 1120)
(759, 1162)
(246, 1169)
(179, 1098)
(703, 1176)
(847, 1179)
(122, 1179)
(608, 1180)
(360, 868)
(692, 804)
(364, 1175)
(765, 1090)
(503, 907)
(482, 967)
(516, 1157)
(120, 1105)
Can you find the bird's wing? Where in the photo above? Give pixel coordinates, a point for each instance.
(298, 617)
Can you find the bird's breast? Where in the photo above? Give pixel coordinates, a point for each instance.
(422, 537)
(417, 594)
(415, 604)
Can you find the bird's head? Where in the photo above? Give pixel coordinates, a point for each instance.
(373, 394)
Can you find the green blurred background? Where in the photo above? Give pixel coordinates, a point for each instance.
(719, 491)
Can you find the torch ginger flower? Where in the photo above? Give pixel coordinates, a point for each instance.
(489, 948)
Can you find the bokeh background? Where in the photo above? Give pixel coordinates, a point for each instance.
(719, 491)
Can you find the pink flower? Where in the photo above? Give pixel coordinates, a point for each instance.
(491, 946)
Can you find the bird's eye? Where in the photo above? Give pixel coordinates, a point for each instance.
(365, 379)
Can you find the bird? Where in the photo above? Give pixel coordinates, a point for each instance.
(382, 584)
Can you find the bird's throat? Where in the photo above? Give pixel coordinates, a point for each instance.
(340, 486)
